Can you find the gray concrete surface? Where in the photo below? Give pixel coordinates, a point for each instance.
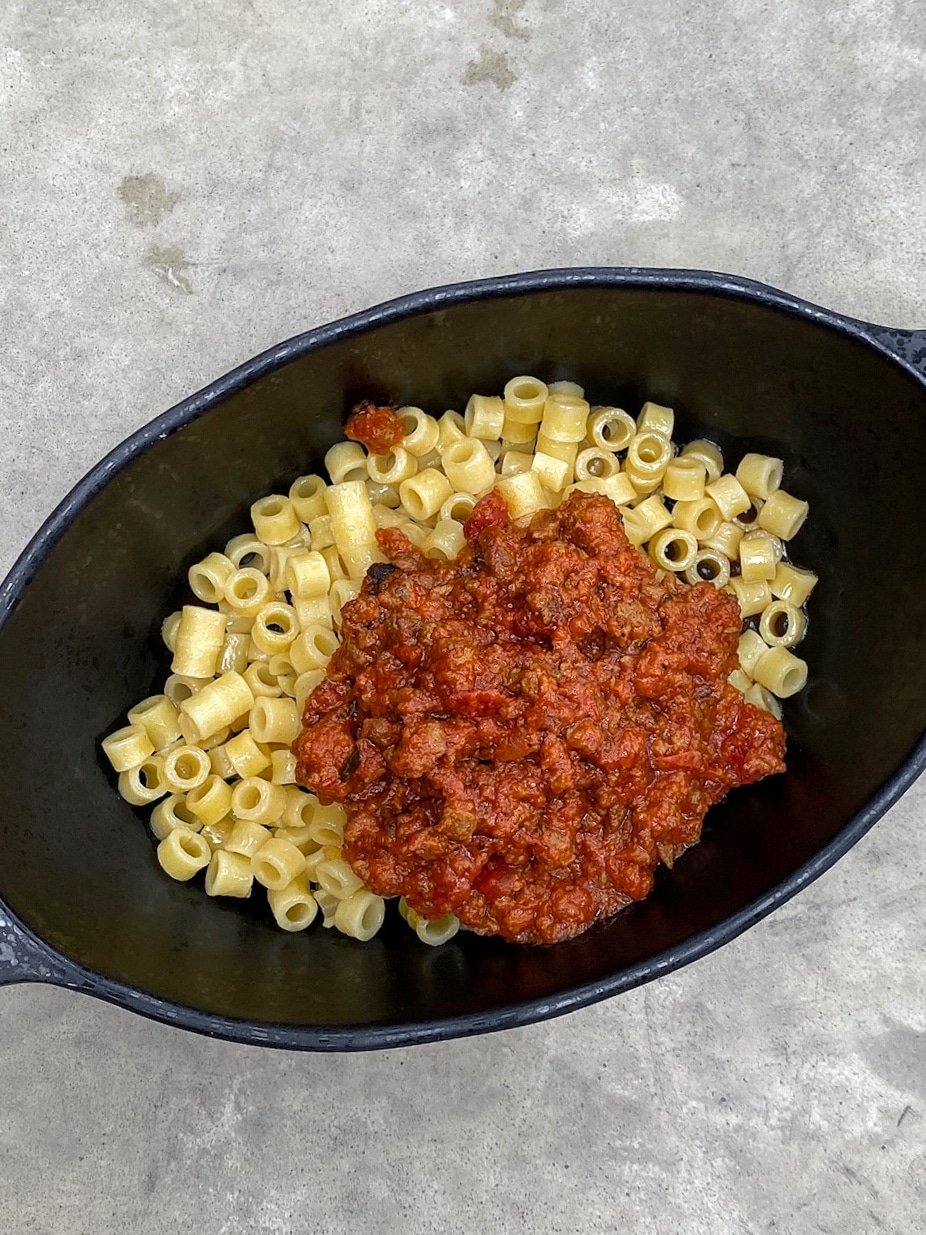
(186, 183)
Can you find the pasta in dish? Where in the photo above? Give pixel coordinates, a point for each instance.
(212, 755)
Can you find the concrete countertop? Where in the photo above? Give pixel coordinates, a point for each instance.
(187, 183)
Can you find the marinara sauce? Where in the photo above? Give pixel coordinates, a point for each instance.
(522, 735)
(377, 428)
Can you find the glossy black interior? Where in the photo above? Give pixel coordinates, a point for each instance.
(76, 864)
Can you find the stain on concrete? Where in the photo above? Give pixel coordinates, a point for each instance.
(491, 66)
(504, 13)
(170, 264)
(898, 1056)
(147, 199)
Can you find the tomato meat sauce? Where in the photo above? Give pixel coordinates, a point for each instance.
(522, 735)
(377, 428)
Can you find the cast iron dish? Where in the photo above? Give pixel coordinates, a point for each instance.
(84, 904)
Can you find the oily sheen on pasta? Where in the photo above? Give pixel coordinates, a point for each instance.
(411, 503)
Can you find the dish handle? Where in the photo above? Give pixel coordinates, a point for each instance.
(23, 958)
(907, 345)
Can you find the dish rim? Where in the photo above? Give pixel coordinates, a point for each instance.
(40, 961)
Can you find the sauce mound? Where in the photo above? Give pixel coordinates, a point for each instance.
(377, 428)
(522, 735)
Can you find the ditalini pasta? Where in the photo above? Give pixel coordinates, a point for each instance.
(209, 758)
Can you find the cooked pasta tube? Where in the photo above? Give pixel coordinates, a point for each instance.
(781, 672)
(299, 808)
(751, 646)
(567, 451)
(274, 518)
(753, 597)
(307, 574)
(169, 628)
(619, 488)
(728, 495)
(178, 688)
(749, 519)
(245, 756)
(393, 467)
(515, 434)
(423, 495)
(247, 590)
(673, 549)
(790, 583)
(782, 624)
(484, 417)
(740, 679)
(258, 801)
(234, 655)
(422, 431)
(307, 494)
(274, 721)
(523, 494)
(760, 475)
(709, 566)
(446, 541)
(764, 699)
(524, 399)
(246, 837)
(654, 418)
(182, 853)
(345, 462)
(320, 532)
(648, 455)
(611, 428)
(450, 428)
(207, 578)
(185, 768)
(469, 469)
(277, 863)
(387, 516)
(217, 833)
(217, 705)
(700, 517)
(725, 540)
(564, 418)
(343, 591)
(172, 812)
(435, 931)
(515, 462)
(327, 824)
(758, 560)
(554, 473)
(708, 454)
(313, 648)
(338, 878)
(145, 784)
(210, 801)
(247, 550)
(353, 525)
(594, 462)
(643, 521)
(275, 627)
(360, 915)
(199, 640)
(294, 907)
(229, 874)
(283, 767)
(158, 717)
(261, 682)
(783, 515)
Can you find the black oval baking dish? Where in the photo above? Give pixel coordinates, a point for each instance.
(82, 901)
